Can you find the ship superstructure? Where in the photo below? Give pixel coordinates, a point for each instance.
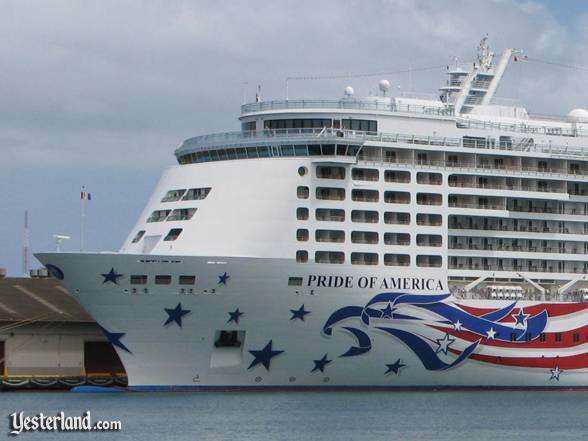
(448, 235)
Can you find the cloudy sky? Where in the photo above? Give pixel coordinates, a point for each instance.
(98, 93)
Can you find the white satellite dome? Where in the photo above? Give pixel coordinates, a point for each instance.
(578, 115)
(349, 92)
(384, 86)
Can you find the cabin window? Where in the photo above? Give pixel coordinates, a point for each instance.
(402, 239)
(365, 216)
(229, 339)
(397, 197)
(173, 234)
(429, 261)
(329, 257)
(301, 256)
(397, 176)
(173, 195)
(330, 193)
(159, 215)
(162, 280)
(328, 172)
(138, 236)
(365, 174)
(429, 240)
(138, 279)
(302, 213)
(302, 235)
(432, 220)
(396, 259)
(365, 237)
(336, 236)
(429, 199)
(429, 178)
(294, 281)
(195, 194)
(181, 214)
(187, 280)
(363, 195)
(330, 214)
(364, 258)
(302, 192)
(391, 217)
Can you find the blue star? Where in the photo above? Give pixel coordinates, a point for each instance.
(264, 356)
(114, 339)
(111, 276)
(222, 279)
(235, 316)
(387, 311)
(299, 313)
(521, 317)
(395, 367)
(175, 315)
(319, 365)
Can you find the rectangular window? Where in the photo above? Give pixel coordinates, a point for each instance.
(429, 178)
(196, 194)
(396, 259)
(429, 240)
(397, 197)
(138, 280)
(364, 258)
(429, 261)
(360, 124)
(363, 195)
(173, 195)
(187, 280)
(330, 214)
(402, 239)
(162, 280)
(395, 218)
(365, 216)
(397, 176)
(333, 236)
(365, 174)
(431, 220)
(429, 199)
(329, 172)
(294, 281)
(365, 237)
(330, 193)
(248, 126)
(336, 257)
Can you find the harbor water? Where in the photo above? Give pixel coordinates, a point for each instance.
(455, 416)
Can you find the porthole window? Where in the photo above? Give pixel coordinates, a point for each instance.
(302, 192)
(302, 235)
(302, 171)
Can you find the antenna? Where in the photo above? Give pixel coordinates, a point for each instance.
(59, 238)
(25, 244)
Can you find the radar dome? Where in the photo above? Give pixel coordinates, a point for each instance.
(578, 115)
(349, 91)
(384, 86)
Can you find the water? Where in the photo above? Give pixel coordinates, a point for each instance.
(337, 416)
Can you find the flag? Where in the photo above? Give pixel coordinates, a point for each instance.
(84, 195)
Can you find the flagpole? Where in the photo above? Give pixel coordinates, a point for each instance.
(82, 217)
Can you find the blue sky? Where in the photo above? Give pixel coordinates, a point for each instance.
(99, 93)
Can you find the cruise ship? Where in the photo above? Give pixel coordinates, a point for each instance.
(377, 242)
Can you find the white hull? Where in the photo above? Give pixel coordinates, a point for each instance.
(177, 357)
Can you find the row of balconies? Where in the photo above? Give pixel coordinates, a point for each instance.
(516, 225)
